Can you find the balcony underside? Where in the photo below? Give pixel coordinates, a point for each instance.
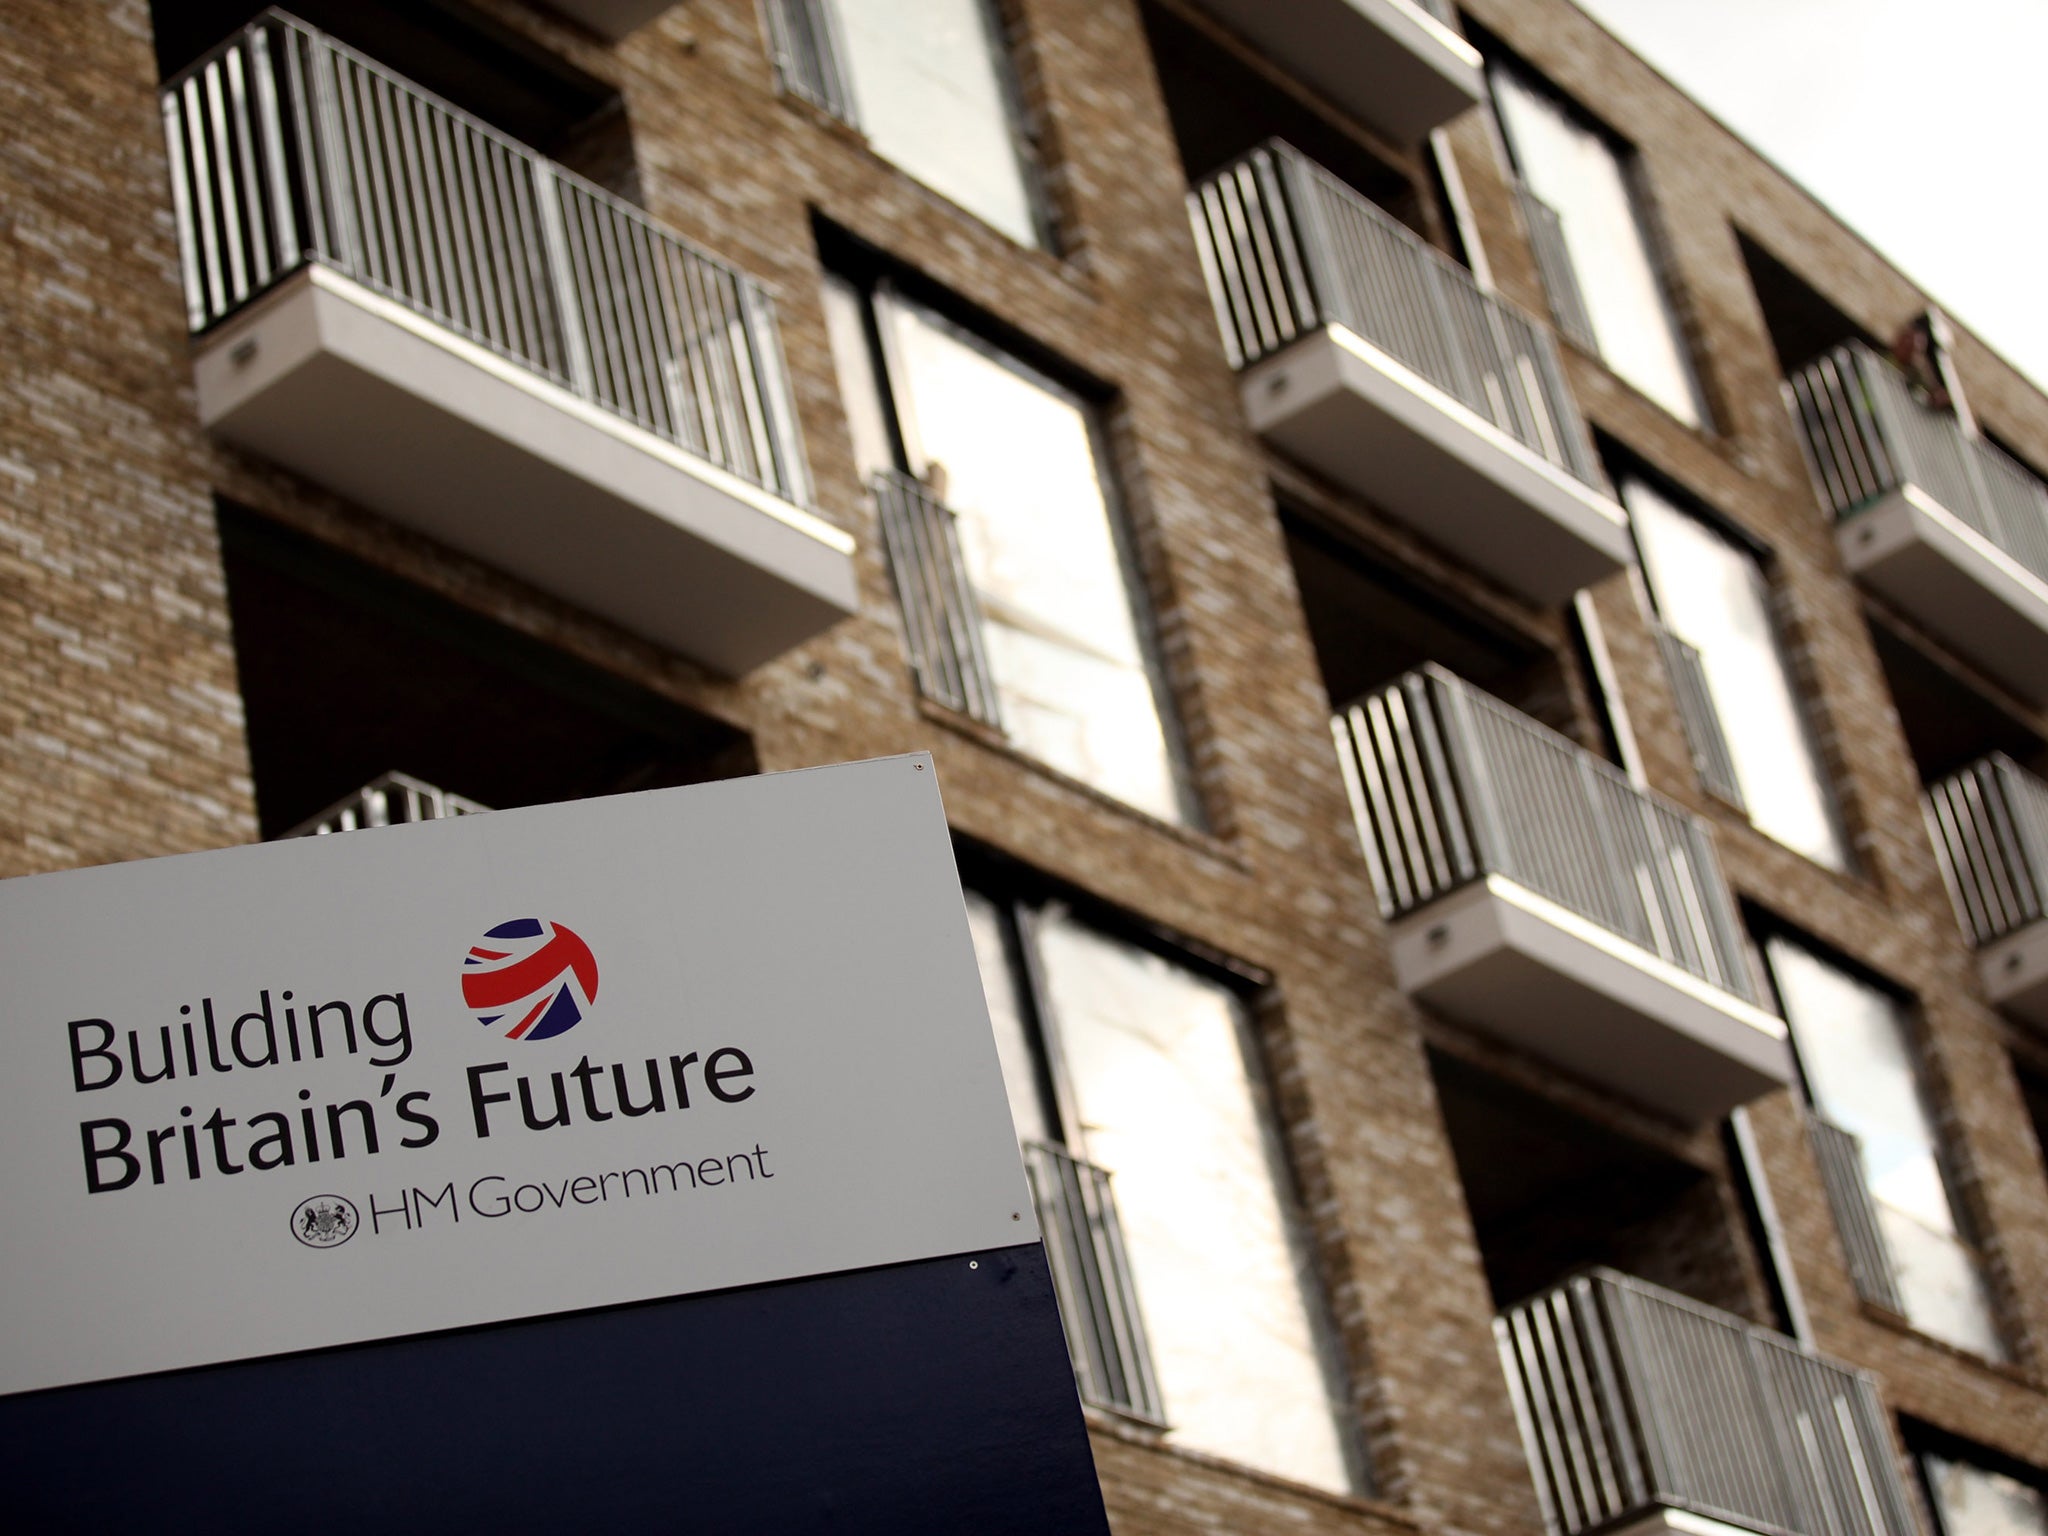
(1343, 407)
(1955, 584)
(1522, 970)
(2015, 973)
(410, 420)
(1385, 60)
(611, 19)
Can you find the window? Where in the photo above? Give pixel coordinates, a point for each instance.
(927, 81)
(1019, 461)
(1136, 1064)
(1970, 1500)
(1715, 595)
(1856, 1057)
(1587, 178)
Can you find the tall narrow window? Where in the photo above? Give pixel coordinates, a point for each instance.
(1582, 174)
(1856, 1057)
(1018, 460)
(1131, 1063)
(928, 82)
(1715, 595)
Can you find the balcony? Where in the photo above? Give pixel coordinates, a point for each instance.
(1640, 1408)
(1398, 64)
(390, 800)
(1537, 896)
(412, 310)
(1942, 525)
(1373, 360)
(1990, 829)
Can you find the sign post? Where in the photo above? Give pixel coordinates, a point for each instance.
(642, 1162)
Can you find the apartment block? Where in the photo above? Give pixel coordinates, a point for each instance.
(1487, 659)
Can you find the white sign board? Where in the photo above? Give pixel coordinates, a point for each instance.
(334, 1089)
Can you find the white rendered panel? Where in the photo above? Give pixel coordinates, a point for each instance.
(811, 921)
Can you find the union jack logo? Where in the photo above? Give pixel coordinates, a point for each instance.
(539, 975)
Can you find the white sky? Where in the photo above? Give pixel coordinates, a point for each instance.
(1922, 123)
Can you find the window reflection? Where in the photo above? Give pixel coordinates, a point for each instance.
(1156, 1064)
(1576, 170)
(1714, 595)
(931, 95)
(1975, 1501)
(1856, 1056)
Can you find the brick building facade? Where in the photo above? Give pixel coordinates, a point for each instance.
(203, 646)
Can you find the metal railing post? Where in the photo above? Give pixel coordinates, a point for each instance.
(562, 283)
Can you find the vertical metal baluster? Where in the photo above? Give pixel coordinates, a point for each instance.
(555, 245)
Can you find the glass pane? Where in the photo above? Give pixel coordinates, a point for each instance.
(1014, 1046)
(854, 359)
(1973, 1501)
(1714, 595)
(1156, 1058)
(1857, 1057)
(1574, 169)
(1016, 458)
(929, 91)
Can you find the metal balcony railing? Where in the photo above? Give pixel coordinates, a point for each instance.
(1554, 265)
(1711, 759)
(1449, 784)
(385, 802)
(287, 147)
(942, 617)
(1091, 1274)
(1990, 828)
(1632, 1398)
(1288, 249)
(1866, 434)
(1842, 1174)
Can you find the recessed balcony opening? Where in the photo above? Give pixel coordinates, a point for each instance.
(1370, 625)
(1552, 1192)
(1374, 360)
(1802, 323)
(453, 50)
(1399, 65)
(348, 673)
(1948, 720)
(1222, 108)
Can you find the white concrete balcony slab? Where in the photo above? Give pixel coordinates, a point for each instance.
(450, 331)
(1955, 583)
(1371, 359)
(1941, 525)
(1396, 64)
(1535, 895)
